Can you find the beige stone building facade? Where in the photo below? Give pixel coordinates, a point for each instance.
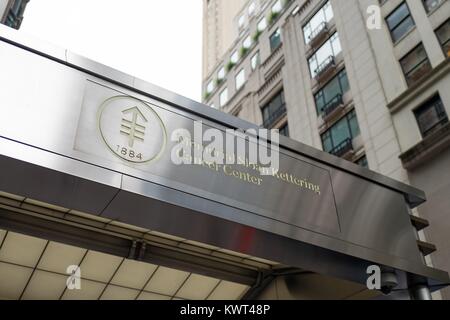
(365, 80)
(219, 30)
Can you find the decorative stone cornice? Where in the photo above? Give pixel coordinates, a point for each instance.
(411, 93)
(428, 148)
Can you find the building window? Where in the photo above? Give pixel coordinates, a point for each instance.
(400, 22)
(430, 5)
(329, 50)
(341, 134)
(284, 130)
(15, 14)
(415, 65)
(275, 40)
(262, 24)
(251, 8)
(332, 92)
(234, 57)
(240, 79)
(431, 116)
(362, 162)
(221, 73)
(241, 22)
(274, 110)
(276, 8)
(255, 61)
(247, 43)
(318, 21)
(223, 98)
(210, 87)
(443, 34)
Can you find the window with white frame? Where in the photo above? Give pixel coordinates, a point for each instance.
(252, 8)
(221, 73)
(223, 98)
(241, 21)
(262, 24)
(277, 6)
(247, 42)
(240, 79)
(234, 57)
(255, 61)
(318, 21)
(210, 86)
(330, 49)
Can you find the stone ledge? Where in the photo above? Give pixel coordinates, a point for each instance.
(428, 148)
(412, 92)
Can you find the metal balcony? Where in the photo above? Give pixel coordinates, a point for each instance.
(318, 35)
(332, 108)
(325, 69)
(344, 149)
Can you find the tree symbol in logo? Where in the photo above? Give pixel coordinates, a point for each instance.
(132, 128)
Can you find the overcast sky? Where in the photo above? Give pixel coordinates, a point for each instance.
(159, 41)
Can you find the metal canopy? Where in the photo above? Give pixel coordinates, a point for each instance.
(33, 268)
(53, 149)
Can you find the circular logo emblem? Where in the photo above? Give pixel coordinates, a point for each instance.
(131, 129)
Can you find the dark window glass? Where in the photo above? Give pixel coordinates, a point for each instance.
(274, 110)
(353, 123)
(430, 5)
(415, 65)
(431, 115)
(400, 22)
(363, 162)
(443, 34)
(337, 86)
(284, 130)
(345, 129)
(275, 40)
(15, 14)
(16, 7)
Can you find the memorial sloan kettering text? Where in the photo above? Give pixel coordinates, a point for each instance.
(184, 154)
(135, 132)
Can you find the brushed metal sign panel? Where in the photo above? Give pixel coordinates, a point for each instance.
(70, 124)
(124, 130)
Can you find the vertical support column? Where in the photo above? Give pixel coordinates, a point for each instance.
(418, 288)
(420, 292)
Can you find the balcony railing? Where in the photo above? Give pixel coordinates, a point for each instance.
(274, 117)
(324, 69)
(329, 109)
(318, 34)
(418, 72)
(443, 120)
(343, 149)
